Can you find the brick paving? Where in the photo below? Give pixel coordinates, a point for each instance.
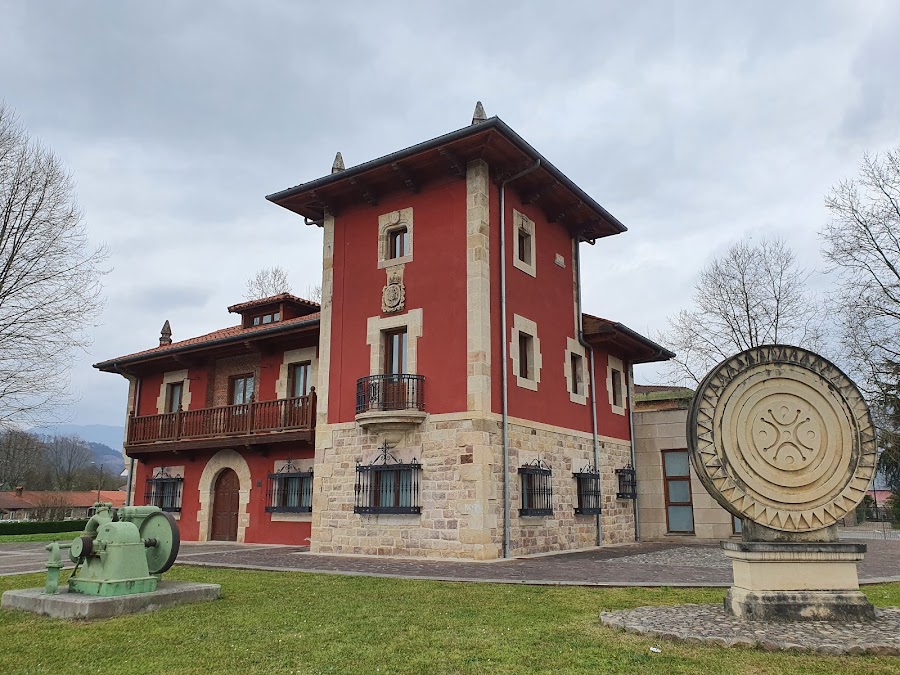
(709, 624)
(645, 564)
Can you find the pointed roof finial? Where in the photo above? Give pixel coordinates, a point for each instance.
(165, 335)
(479, 115)
(338, 163)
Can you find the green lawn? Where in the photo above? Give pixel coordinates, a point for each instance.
(43, 536)
(275, 622)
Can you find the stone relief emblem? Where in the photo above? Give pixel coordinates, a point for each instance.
(781, 436)
(393, 295)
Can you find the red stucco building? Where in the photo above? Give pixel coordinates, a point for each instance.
(449, 398)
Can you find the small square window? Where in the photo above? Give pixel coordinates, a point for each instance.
(290, 492)
(523, 234)
(617, 388)
(164, 490)
(526, 356)
(388, 488)
(524, 247)
(576, 362)
(537, 490)
(589, 495)
(173, 396)
(397, 243)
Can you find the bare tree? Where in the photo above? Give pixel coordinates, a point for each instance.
(314, 293)
(50, 291)
(21, 458)
(754, 294)
(266, 282)
(69, 458)
(862, 246)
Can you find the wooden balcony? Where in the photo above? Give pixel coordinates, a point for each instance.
(254, 423)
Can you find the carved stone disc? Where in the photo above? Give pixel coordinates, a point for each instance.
(781, 436)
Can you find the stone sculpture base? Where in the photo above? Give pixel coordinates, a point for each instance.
(781, 581)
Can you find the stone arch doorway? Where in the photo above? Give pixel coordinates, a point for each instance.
(226, 505)
(222, 461)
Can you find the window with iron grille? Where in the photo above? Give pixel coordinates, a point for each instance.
(588, 486)
(164, 491)
(289, 491)
(537, 492)
(388, 486)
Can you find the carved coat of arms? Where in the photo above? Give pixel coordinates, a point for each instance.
(393, 295)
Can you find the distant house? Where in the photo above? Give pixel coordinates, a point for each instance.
(671, 500)
(19, 504)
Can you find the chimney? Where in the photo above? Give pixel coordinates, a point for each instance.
(165, 335)
(19, 491)
(479, 116)
(338, 165)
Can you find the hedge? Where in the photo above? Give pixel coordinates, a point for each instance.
(41, 526)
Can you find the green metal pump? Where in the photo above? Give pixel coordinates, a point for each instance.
(121, 551)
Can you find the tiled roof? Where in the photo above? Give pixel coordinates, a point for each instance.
(271, 300)
(221, 334)
(38, 499)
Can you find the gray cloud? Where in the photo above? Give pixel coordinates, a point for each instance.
(695, 123)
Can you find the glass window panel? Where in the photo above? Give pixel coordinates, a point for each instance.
(676, 463)
(248, 389)
(406, 488)
(267, 318)
(679, 492)
(386, 488)
(737, 525)
(617, 387)
(681, 519)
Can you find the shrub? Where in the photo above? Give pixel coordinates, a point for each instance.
(41, 526)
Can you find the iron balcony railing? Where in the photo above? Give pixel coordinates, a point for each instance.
(390, 392)
(256, 417)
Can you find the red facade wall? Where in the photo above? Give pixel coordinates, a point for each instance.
(262, 529)
(435, 281)
(149, 393)
(548, 300)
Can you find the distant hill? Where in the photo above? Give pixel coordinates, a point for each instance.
(105, 441)
(92, 433)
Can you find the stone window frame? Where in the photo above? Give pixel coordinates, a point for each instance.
(614, 363)
(302, 355)
(376, 326)
(388, 222)
(166, 476)
(529, 327)
(521, 221)
(574, 347)
(172, 377)
(302, 465)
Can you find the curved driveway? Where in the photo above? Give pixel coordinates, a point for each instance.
(648, 564)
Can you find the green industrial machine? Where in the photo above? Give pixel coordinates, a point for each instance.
(121, 551)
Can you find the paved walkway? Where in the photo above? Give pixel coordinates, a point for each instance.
(647, 564)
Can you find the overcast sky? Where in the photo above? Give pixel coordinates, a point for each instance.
(696, 124)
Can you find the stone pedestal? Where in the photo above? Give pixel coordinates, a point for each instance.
(796, 581)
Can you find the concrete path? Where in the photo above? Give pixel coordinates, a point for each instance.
(676, 563)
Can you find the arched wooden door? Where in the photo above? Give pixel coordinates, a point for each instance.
(226, 501)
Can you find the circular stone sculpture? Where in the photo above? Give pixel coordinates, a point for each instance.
(780, 436)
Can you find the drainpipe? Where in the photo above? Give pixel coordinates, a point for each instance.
(637, 522)
(592, 379)
(504, 377)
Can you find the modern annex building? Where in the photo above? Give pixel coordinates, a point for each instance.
(449, 398)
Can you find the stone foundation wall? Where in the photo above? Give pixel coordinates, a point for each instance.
(462, 491)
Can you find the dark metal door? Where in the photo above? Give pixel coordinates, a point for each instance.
(226, 499)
